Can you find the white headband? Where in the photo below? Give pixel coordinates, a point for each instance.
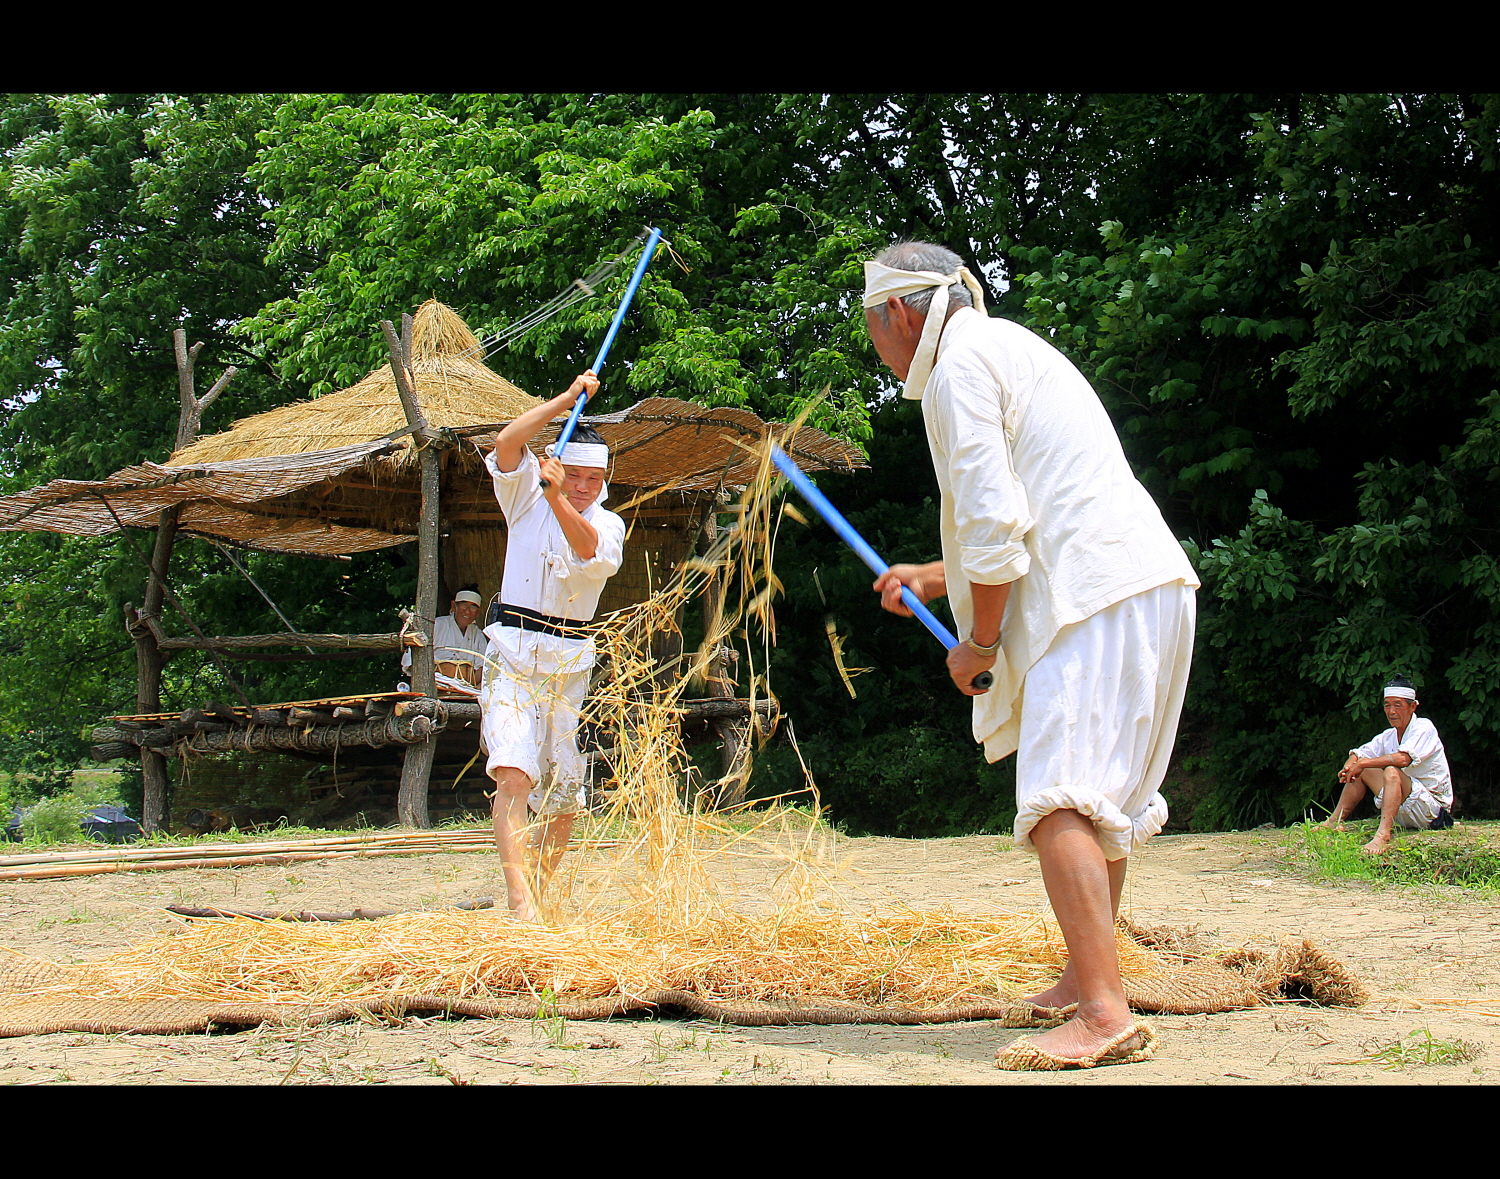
(1397, 690)
(468, 596)
(585, 454)
(882, 282)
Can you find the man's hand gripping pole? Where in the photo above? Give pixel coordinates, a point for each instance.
(609, 338)
(981, 682)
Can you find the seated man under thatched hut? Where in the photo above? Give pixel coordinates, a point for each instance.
(563, 546)
(458, 644)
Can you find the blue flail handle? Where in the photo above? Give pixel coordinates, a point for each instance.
(566, 432)
(835, 519)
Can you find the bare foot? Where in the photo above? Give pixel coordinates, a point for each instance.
(524, 912)
(1332, 824)
(1377, 846)
(1082, 1036)
(1060, 994)
(521, 904)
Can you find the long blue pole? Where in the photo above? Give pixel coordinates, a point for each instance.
(869, 556)
(609, 338)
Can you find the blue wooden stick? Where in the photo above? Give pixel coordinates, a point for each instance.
(609, 338)
(820, 502)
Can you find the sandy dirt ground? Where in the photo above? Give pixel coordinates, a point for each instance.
(1431, 956)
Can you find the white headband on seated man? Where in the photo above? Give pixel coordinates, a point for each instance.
(882, 282)
(1399, 692)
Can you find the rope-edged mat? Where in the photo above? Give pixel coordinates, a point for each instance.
(39, 997)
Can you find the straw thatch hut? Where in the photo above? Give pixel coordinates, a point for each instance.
(344, 473)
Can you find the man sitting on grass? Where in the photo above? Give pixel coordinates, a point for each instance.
(1405, 768)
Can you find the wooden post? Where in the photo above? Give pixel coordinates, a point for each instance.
(712, 604)
(190, 415)
(148, 655)
(416, 763)
(148, 665)
(733, 735)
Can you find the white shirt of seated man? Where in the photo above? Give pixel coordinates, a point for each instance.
(458, 645)
(1412, 740)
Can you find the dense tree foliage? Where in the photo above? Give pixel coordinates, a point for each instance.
(1300, 343)
(1286, 301)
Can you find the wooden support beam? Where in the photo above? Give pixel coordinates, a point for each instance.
(145, 738)
(376, 733)
(390, 641)
(148, 667)
(411, 800)
(148, 652)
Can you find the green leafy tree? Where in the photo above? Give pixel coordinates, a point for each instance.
(1304, 363)
(1289, 312)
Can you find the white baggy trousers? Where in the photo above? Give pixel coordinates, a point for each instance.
(1099, 716)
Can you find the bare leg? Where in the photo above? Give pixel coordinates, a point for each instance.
(1082, 890)
(1350, 797)
(1395, 788)
(1065, 990)
(551, 842)
(511, 820)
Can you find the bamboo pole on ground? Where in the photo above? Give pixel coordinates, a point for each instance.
(371, 839)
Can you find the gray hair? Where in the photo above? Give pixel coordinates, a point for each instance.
(924, 256)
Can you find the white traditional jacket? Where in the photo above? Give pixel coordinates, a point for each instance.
(1036, 491)
(544, 574)
(1429, 761)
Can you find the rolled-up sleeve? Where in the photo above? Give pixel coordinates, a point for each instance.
(991, 513)
(609, 553)
(1420, 744)
(515, 491)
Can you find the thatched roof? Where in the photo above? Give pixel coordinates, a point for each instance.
(666, 442)
(324, 477)
(229, 501)
(452, 383)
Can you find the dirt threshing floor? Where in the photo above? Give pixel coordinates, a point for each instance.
(1430, 956)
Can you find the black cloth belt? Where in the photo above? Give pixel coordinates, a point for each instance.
(524, 619)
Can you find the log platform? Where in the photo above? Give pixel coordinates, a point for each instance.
(365, 737)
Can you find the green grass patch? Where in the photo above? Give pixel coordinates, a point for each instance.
(1418, 1048)
(1467, 855)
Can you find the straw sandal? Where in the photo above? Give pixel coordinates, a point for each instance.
(1024, 1056)
(1036, 1015)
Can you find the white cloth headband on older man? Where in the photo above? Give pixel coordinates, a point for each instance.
(1398, 691)
(882, 282)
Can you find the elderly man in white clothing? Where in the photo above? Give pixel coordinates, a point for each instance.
(1405, 768)
(458, 643)
(562, 546)
(1068, 586)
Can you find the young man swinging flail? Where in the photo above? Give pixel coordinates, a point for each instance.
(562, 546)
